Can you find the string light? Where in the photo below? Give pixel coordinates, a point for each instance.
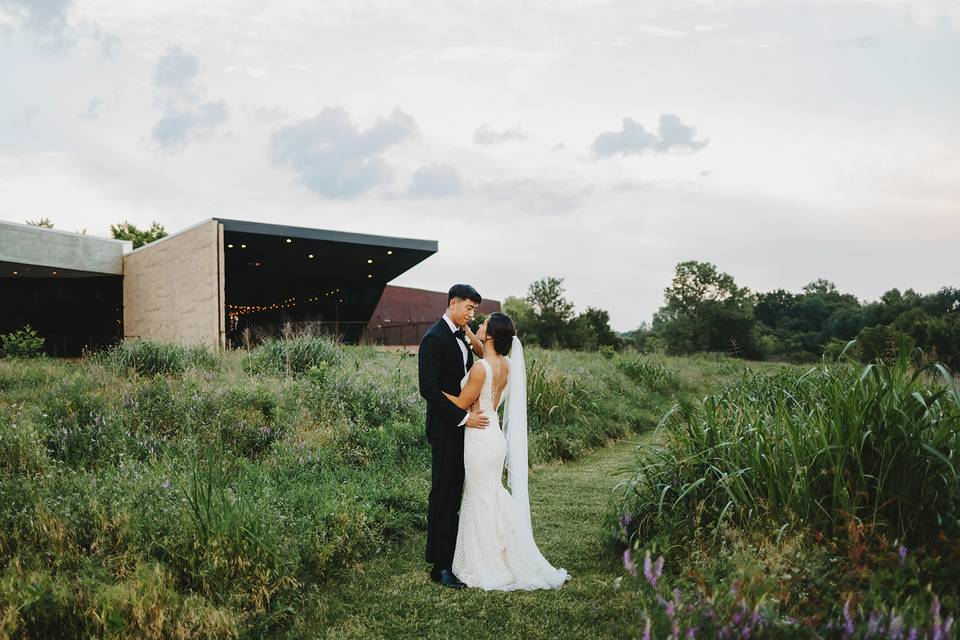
(237, 310)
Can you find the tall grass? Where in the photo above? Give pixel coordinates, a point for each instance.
(840, 449)
(206, 495)
(148, 357)
(293, 355)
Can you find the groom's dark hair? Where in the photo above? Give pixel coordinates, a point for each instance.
(464, 291)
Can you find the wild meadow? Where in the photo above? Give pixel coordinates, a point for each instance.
(156, 491)
(819, 501)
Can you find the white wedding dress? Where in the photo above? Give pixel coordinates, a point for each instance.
(495, 546)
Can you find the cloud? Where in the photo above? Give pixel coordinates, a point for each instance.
(658, 31)
(485, 135)
(334, 158)
(176, 70)
(435, 181)
(49, 25)
(178, 95)
(93, 110)
(45, 17)
(176, 128)
(535, 195)
(672, 136)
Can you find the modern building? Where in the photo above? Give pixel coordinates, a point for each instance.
(212, 284)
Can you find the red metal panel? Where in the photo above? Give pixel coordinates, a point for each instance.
(404, 314)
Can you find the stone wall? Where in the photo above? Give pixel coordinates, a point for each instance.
(173, 288)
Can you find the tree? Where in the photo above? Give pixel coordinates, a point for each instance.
(45, 223)
(524, 319)
(597, 323)
(705, 310)
(697, 282)
(127, 231)
(552, 311)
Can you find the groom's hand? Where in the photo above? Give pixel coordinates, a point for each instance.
(477, 420)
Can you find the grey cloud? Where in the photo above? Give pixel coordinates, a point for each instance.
(93, 110)
(185, 117)
(176, 128)
(42, 16)
(537, 196)
(176, 68)
(485, 135)
(334, 158)
(48, 23)
(435, 181)
(672, 135)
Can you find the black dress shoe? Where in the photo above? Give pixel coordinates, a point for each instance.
(447, 579)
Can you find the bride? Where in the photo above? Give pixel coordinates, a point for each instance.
(495, 549)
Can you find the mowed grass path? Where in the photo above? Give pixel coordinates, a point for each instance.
(394, 597)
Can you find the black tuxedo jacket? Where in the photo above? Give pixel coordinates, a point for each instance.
(441, 369)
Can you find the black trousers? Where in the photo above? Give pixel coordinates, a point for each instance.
(446, 490)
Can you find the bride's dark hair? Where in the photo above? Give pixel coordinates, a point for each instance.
(500, 328)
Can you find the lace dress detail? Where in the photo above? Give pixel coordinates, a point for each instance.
(489, 552)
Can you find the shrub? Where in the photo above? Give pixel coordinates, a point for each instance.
(838, 448)
(293, 356)
(148, 357)
(24, 343)
(78, 430)
(649, 374)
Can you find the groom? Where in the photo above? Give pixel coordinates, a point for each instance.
(444, 360)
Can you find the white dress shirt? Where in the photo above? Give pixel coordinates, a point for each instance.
(463, 350)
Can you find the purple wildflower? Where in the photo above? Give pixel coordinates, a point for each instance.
(166, 484)
(646, 630)
(848, 619)
(902, 552)
(913, 634)
(652, 571)
(692, 632)
(873, 624)
(628, 562)
(896, 627)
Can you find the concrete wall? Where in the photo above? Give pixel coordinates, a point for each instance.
(173, 288)
(26, 244)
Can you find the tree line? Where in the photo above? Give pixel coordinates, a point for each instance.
(705, 310)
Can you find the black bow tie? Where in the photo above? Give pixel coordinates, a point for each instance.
(460, 333)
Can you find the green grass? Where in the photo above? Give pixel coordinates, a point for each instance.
(155, 491)
(802, 502)
(392, 597)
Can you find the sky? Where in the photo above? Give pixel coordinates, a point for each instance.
(597, 141)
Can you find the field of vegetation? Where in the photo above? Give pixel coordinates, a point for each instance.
(813, 502)
(154, 491)
(157, 491)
